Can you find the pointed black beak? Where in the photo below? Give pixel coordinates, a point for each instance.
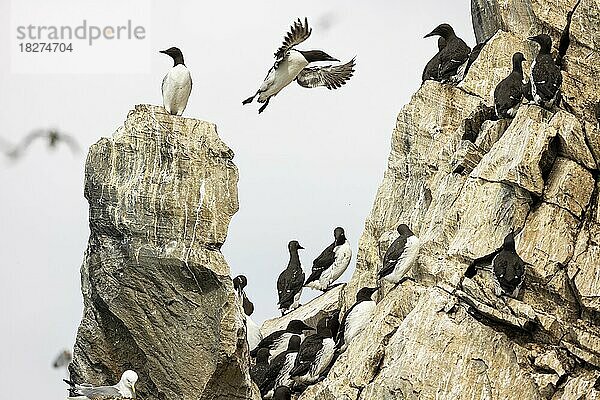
(432, 33)
(532, 38)
(164, 51)
(300, 247)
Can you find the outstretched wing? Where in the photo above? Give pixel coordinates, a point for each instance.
(330, 76)
(298, 33)
(26, 141)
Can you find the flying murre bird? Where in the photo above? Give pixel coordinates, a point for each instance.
(356, 318)
(453, 55)
(331, 263)
(53, 137)
(315, 354)
(507, 267)
(282, 393)
(253, 334)
(177, 83)
(258, 372)
(277, 341)
(292, 64)
(289, 283)
(124, 389)
(545, 75)
(509, 92)
(432, 69)
(280, 367)
(400, 256)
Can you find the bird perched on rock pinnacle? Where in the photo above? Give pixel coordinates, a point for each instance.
(177, 83)
(293, 64)
(509, 92)
(453, 55)
(432, 69)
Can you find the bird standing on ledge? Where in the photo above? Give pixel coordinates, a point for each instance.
(291, 64)
(453, 55)
(177, 83)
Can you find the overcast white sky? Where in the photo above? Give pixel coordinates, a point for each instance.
(311, 162)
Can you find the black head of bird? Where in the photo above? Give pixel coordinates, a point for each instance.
(263, 355)
(175, 54)
(240, 282)
(317, 55)
(294, 343)
(339, 235)
(282, 393)
(297, 326)
(294, 246)
(509, 242)
(365, 293)
(517, 61)
(403, 229)
(544, 41)
(443, 30)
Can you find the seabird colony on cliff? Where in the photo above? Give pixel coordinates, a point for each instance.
(286, 360)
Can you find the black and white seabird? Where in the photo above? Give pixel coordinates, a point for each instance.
(177, 84)
(125, 388)
(509, 92)
(315, 355)
(280, 367)
(282, 393)
(432, 69)
(253, 334)
(507, 267)
(400, 256)
(258, 372)
(331, 263)
(356, 318)
(289, 283)
(277, 341)
(453, 55)
(545, 74)
(293, 64)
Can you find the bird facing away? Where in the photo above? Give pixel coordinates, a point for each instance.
(278, 341)
(509, 92)
(282, 393)
(258, 372)
(52, 136)
(124, 389)
(289, 283)
(453, 55)
(331, 263)
(315, 355)
(545, 74)
(280, 367)
(253, 334)
(177, 83)
(400, 256)
(507, 267)
(291, 64)
(431, 71)
(356, 318)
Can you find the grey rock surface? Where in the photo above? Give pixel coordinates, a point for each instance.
(158, 297)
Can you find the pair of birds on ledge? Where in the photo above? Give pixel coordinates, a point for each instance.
(290, 64)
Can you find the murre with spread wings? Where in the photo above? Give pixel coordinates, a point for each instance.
(292, 64)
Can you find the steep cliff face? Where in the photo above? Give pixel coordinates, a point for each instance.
(157, 293)
(462, 182)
